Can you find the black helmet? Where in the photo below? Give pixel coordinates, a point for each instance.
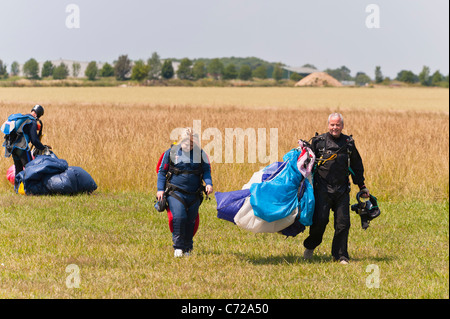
(38, 109)
(367, 210)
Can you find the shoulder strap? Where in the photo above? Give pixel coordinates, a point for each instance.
(176, 171)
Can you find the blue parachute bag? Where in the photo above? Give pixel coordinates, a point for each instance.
(307, 203)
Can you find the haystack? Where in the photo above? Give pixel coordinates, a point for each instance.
(318, 79)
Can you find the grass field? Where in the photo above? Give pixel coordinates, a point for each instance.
(122, 246)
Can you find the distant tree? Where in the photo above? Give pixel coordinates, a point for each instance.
(167, 69)
(245, 72)
(3, 71)
(199, 70)
(47, 69)
(184, 71)
(424, 76)
(15, 68)
(407, 76)
(277, 73)
(445, 81)
(107, 70)
(31, 69)
(340, 74)
(215, 68)
(295, 77)
(91, 71)
(260, 72)
(60, 72)
(139, 71)
(154, 64)
(386, 80)
(122, 67)
(361, 78)
(76, 67)
(230, 72)
(436, 78)
(378, 75)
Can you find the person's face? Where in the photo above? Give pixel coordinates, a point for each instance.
(335, 127)
(187, 145)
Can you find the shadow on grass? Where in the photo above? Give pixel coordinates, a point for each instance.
(280, 259)
(298, 259)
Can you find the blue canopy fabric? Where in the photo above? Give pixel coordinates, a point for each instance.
(47, 174)
(277, 198)
(279, 193)
(307, 203)
(229, 203)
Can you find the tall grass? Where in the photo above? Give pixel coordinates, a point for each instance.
(405, 153)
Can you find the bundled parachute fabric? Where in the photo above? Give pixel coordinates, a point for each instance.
(228, 204)
(307, 202)
(47, 175)
(246, 219)
(278, 197)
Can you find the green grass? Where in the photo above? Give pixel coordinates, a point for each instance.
(122, 247)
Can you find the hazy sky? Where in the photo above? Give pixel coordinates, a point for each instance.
(326, 33)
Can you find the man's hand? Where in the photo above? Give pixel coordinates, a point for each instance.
(208, 189)
(159, 195)
(365, 192)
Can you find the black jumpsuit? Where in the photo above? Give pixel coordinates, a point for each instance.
(331, 190)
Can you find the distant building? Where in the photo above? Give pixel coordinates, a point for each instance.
(302, 70)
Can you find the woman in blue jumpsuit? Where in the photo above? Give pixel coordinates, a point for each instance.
(183, 169)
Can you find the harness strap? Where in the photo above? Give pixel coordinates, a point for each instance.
(171, 189)
(177, 171)
(322, 161)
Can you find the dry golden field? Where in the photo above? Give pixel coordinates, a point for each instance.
(409, 99)
(118, 134)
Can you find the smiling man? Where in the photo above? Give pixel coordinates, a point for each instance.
(337, 157)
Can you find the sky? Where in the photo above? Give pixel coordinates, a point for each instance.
(396, 35)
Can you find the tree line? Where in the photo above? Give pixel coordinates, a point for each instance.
(155, 68)
(425, 77)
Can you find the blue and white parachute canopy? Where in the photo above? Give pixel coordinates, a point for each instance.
(278, 198)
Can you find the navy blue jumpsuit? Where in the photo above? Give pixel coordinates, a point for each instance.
(191, 171)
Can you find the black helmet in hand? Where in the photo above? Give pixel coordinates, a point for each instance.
(367, 210)
(161, 205)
